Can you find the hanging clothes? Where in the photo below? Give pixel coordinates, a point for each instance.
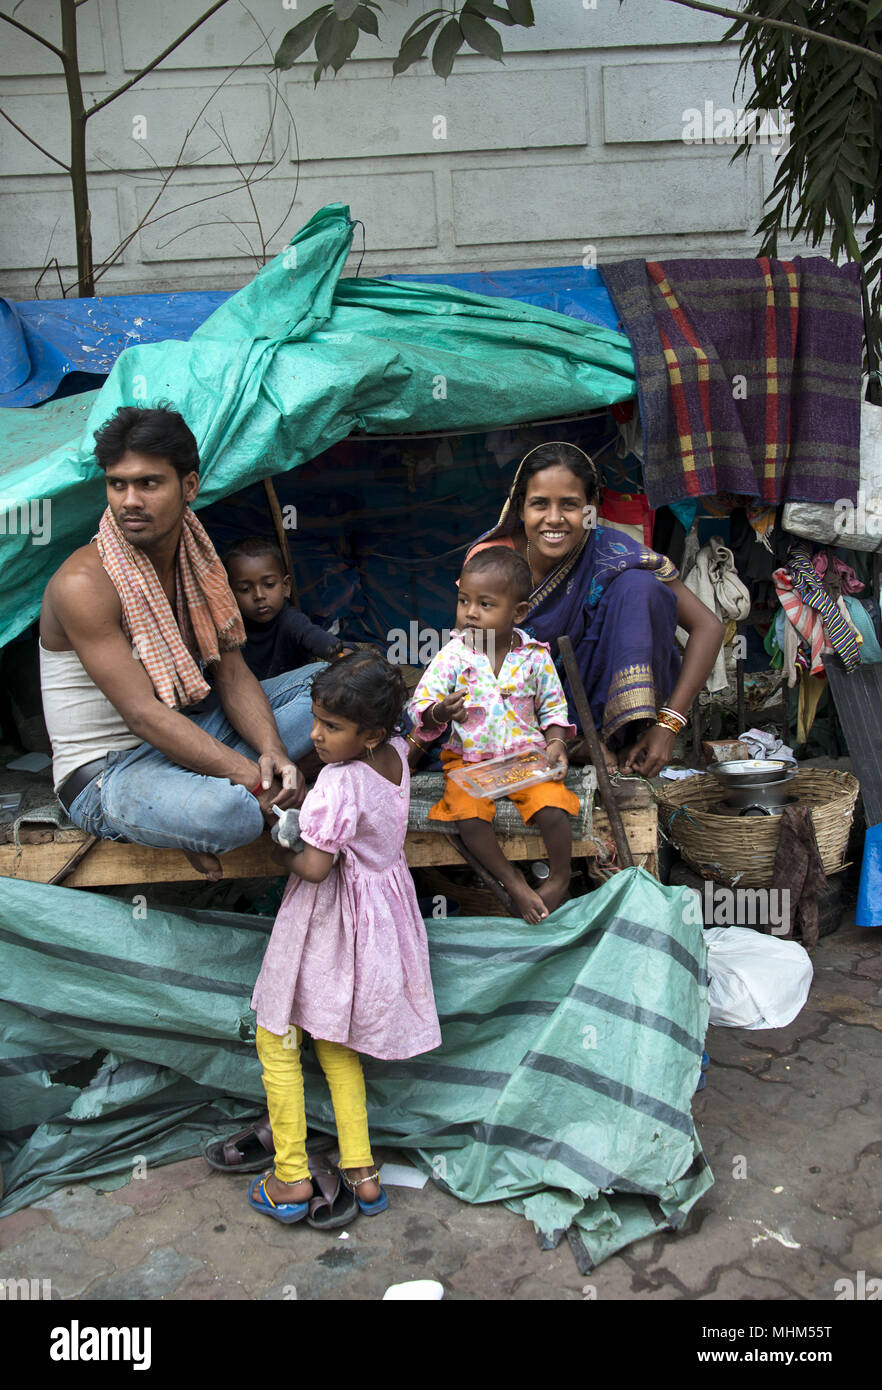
(787, 333)
(870, 649)
(798, 868)
(714, 581)
(827, 564)
(627, 512)
(816, 617)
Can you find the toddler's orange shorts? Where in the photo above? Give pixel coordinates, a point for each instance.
(456, 804)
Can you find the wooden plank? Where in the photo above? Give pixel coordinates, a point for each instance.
(113, 862)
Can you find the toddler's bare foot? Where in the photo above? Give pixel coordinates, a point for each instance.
(554, 888)
(528, 903)
(367, 1191)
(283, 1193)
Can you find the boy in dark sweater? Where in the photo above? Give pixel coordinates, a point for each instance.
(279, 638)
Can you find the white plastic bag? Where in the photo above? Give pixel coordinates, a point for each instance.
(756, 981)
(839, 523)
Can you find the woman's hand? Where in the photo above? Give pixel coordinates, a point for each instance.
(651, 752)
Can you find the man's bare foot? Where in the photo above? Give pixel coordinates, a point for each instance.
(367, 1191)
(207, 864)
(553, 890)
(528, 903)
(283, 1193)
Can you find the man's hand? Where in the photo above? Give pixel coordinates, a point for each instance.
(283, 784)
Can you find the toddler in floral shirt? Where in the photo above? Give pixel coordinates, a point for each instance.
(493, 690)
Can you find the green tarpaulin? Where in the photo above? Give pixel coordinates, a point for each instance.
(290, 365)
(563, 1086)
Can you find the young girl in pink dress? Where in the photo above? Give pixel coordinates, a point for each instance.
(348, 959)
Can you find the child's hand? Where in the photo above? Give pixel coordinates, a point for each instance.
(557, 756)
(451, 707)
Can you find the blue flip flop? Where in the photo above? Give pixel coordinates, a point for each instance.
(367, 1208)
(286, 1212)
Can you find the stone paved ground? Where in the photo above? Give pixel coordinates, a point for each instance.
(790, 1122)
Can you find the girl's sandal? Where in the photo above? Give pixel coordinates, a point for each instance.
(333, 1205)
(367, 1208)
(260, 1200)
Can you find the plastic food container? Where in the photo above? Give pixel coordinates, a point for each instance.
(501, 776)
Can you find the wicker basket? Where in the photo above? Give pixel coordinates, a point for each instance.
(726, 848)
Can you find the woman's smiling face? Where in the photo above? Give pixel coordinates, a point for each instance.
(554, 512)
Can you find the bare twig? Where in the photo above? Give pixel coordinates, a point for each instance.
(762, 22)
(274, 78)
(144, 221)
(247, 182)
(48, 266)
(59, 52)
(32, 141)
(156, 61)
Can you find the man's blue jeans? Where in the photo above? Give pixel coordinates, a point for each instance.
(143, 797)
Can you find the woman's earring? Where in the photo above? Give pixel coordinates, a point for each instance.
(370, 752)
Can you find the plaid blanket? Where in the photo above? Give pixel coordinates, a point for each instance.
(748, 375)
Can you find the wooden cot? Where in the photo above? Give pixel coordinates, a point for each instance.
(44, 853)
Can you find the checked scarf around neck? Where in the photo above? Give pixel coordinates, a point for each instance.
(208, 621)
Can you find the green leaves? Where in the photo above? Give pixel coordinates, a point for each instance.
(298, 39)
(521, 12)
(415, 40)
(480, 35)
(335, 29)
(447, 45)
(366, 19)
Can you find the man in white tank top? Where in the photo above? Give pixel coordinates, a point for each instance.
(126, 765)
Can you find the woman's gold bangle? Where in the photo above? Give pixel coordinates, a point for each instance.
(664, 721)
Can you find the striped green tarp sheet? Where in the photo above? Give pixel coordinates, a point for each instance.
(563, 1086)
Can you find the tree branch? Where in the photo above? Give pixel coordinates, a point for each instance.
(105, 101)
(59, 52)
(764, 23)
(147, 219)
(30, 138)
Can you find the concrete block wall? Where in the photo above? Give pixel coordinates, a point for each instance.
(572, 149)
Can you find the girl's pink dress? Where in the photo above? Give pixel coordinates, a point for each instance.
(348, 958)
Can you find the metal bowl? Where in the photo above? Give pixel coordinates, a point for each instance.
(754, 771)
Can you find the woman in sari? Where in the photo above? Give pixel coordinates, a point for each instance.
(618, 601)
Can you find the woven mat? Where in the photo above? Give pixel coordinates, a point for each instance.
(426, 789)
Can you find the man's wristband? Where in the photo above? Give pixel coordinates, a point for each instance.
(255, 791)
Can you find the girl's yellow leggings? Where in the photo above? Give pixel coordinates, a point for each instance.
(283, 1083)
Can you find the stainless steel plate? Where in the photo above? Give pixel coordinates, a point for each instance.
(754, 771)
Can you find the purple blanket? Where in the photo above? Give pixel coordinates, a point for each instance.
(748, 375)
